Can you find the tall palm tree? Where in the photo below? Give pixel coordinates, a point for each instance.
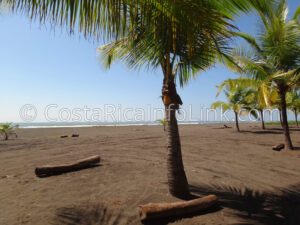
(274, 57)
(180, 37)
(152, 47)
(238, 99)
(293, 103)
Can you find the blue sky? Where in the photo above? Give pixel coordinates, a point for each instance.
(39, 66)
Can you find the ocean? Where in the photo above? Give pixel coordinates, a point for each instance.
(92, 124)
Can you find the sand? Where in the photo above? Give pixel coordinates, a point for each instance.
(255, 185)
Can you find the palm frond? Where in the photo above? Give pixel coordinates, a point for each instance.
(223, 105)
(250, 40)
(297, 14)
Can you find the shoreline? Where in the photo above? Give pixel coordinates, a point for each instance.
(152, 123)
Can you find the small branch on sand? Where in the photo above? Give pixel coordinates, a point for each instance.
(154, 211)
(81, 164)
(278, 147)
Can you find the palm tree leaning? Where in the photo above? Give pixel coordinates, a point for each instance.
(274, 56)
(180, 37)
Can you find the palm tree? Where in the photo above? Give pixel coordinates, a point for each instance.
(263, 95)
(293, 103)
(180, 37)
(274, 56)
(238, 100)
(156, 50)
(153, 47)
(7, 129)
(253, 103)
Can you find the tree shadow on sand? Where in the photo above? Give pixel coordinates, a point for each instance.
(98, 214)
(280, 129)
(253, 207)
(89, 214)
(166, 221)
(262, 132)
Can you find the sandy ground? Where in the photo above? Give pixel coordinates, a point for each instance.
(255, 184)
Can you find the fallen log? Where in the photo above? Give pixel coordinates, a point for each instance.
(81, 164)
(154, 211)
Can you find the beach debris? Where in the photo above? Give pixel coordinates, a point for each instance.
(7, 177)
(64, 136)
(75, 135)
(153, 211)
(225, 126)
(58, 169)
(278, 147)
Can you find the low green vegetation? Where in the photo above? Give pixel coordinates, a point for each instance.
(163, 122)
(278, 123)
(8, 129)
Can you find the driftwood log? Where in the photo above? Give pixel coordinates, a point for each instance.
(81, 164)
(154, 211)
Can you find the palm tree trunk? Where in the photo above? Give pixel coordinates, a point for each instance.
(280, 117)
(177, 181)
(5, 136)
(237, 121)
(285, 125)
(295, 112)
(262, 119)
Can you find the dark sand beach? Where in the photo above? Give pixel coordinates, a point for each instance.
(255, 185)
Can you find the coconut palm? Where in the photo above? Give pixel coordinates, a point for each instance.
(7, 129)
(153, 47)
(274, 57)
(293, 103)
(180, 37)
(253, 103)
(238, 100)
(263, 95)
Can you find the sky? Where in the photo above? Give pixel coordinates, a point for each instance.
(41, 67)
